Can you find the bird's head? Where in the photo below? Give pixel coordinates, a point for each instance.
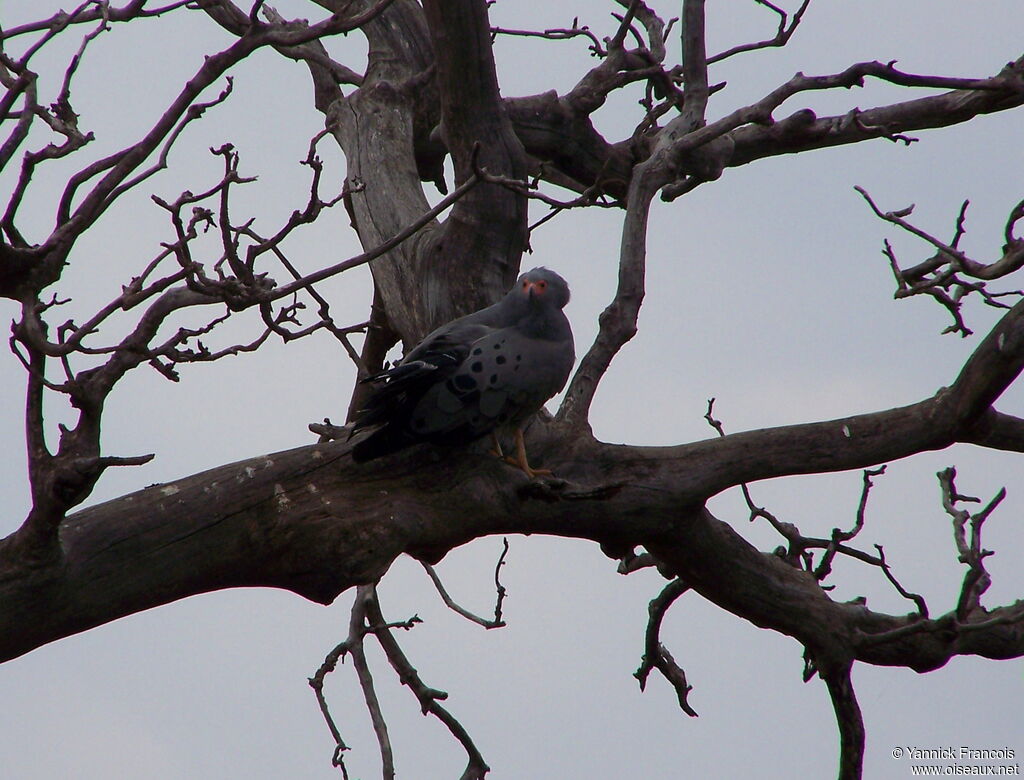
(543, 287)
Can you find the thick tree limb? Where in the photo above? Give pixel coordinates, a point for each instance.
(751, 132)
(310, 521)
(803, 130)
(998, 431)
(695, 62)
(618, 321)
(488, 228)
(849, 719)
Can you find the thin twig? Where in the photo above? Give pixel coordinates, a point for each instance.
(917, 598)
(575, 30)
(838, 536)
(782, 34)
(381, 249)
(496, 622)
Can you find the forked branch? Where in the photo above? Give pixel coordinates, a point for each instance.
(782, 35)
(950, 275)
(970, 552)
(428, 697)
(359, 626)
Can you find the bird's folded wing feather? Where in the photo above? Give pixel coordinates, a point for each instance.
(430, 362)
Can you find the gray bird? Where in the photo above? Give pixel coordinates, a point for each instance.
(488, 370)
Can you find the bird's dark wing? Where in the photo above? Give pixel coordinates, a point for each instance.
(401, 389)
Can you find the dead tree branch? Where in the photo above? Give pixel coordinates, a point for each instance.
(359, 626)
(428, 698)
(496, 621)
(946, 275)
(970, 552)
(798, 554)
(617, 323)
(575, 30)
(656, 655)
(849, 719)
(92, 12)
(782, 35)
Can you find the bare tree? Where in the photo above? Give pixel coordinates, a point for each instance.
(309, 520)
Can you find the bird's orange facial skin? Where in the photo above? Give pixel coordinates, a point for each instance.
(538, 287)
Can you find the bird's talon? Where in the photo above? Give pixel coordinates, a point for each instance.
(528, 470)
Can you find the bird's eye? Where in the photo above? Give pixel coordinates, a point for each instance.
(542, 285)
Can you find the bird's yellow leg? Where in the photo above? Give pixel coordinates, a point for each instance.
(496, 449)
(520, 459)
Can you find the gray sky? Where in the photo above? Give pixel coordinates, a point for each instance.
(766, 289)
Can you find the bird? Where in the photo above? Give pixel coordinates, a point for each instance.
(488, 371)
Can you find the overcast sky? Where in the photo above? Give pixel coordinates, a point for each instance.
(766, 289)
